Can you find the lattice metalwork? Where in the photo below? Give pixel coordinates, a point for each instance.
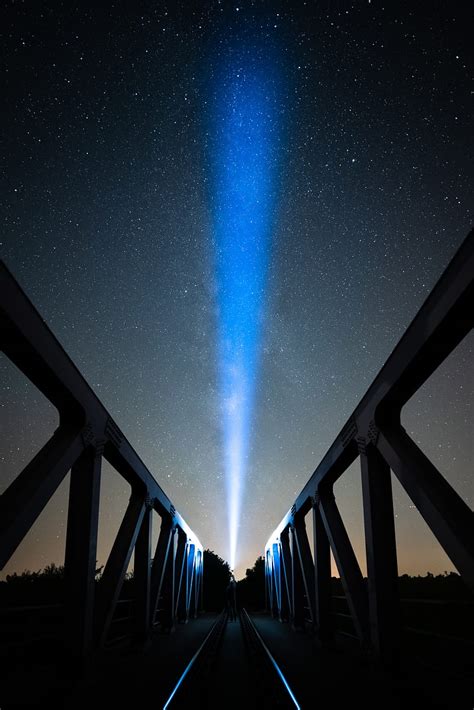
(298, 587)
(167, 579)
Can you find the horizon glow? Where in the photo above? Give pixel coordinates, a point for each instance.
(244, 161)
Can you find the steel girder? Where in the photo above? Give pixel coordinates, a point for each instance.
(374, 434)
(87, 434)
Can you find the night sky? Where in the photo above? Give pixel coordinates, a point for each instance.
(114, 202)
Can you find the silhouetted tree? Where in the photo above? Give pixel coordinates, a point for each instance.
(215, 581)
(251, 589)
(45, 586)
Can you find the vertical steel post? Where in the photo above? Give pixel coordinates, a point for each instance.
(172, 590)
(306, 563)
(190, 580)
(265, 576)
(277, 581)
(158, 569)
(142, 575)
(269, 578)
(322, 574)
(197, 581)
(286, 604)
(168, 587)
(180, 602)
(297, 586)
(201, 593)
(381, 550)
(81, 551)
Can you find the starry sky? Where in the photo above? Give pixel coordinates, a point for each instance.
(110, 121)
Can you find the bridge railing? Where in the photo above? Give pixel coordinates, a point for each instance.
(167, 580)
(298, 579)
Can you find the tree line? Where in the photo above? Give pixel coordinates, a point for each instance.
(46, 586)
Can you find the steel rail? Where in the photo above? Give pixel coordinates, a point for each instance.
(250, 629)
(209, 644)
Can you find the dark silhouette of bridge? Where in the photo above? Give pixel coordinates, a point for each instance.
(257, 662)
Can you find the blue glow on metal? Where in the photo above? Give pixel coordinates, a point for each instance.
(187, 669)
(277, 571)
(175, 690)
(192, 568)
(244, 145)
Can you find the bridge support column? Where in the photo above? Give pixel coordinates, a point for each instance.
(81, 551)
(197, 582)
(142, 576)
(306, 565)
(270, 584)
(180, 600)
(322, 574)
(285, 609)
(167, 617)
(190, 606)
(381, 550)
(160, 563)
(297, 585)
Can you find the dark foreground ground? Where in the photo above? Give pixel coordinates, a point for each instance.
(338, 677)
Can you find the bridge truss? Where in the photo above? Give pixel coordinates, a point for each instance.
(298, 579)
(170, 581)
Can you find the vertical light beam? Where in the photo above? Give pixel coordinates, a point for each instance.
(244, 143)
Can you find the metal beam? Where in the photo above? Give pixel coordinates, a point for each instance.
(116, 567)
(180, 601)
(305, 559)
(166, 608)
(27, 495)
(297, 585)
(142, 574)
(197, 580)
(190, 580)
(81, 551)
(381, 551)
(286, 606)
(445, 318)
(448, 516)
(85, 425)
(441, 323)
(160, 561)
(322, 575)
(346, 561)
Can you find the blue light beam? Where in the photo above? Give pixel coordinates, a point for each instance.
(245, 142)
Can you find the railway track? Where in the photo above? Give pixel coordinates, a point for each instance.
(233, 667)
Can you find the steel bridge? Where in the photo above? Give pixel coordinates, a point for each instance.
(375, 435)
(86, 435)
(168, 578)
